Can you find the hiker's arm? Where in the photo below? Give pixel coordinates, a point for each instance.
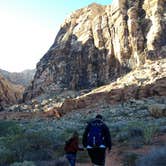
(76, 145)
(84, 139)
(80, 148)
(108, 138)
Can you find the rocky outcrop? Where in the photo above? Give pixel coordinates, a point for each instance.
(97, 44)
(147, 81)
(9, 93)
(23, 78)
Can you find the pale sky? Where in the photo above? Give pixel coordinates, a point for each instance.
(28, 28)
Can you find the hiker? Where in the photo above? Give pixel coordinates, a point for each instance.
(71, 148)
(97, 139)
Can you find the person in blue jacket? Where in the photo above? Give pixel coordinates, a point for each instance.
(97, 139)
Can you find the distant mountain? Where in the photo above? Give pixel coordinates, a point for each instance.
(9, 93)
(19, 78)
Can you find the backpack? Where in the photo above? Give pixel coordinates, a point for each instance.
(95, 136)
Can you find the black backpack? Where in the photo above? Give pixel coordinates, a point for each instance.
(95, 136)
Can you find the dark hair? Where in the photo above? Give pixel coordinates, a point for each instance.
(99, 116)
(75, 134)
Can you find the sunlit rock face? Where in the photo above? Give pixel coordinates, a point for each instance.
(9, 93)
(97, 44)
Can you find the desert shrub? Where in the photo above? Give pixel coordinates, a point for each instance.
(6, 156)
(134, 130)
(18, 144)
(136, 137)
(41, 154)
(25, 163)
(62, 162)
(36, 145)
(8, 131)
(122, 136)
(130, 159)
(149, 132)
(9, 128)
(40, 139)
(155, 158)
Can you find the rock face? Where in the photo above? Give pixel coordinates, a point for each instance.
(22, 78)
(147, 81)
(97, 44)
(9, 93)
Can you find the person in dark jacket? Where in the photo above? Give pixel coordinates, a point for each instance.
(97, 152)
(71, 148)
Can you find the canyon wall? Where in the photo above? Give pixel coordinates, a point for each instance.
(9, 93)
(97, 44)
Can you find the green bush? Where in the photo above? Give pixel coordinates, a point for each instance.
(149, 132)
(130, 159)
(9, 128)
(157, 157)
(30, 143)
(6, 156)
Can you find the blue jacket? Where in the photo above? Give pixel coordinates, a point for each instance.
(105, 131)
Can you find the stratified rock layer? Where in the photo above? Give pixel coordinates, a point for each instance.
(97, 44)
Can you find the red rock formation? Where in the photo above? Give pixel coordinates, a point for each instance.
(138, 84)
(9, 93)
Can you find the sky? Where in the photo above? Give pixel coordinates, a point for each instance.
(28, 29)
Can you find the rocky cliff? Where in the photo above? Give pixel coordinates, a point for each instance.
(147, 81)
(97, 44)
(9, 93)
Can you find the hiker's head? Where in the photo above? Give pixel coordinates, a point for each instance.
(98, 116)
(75, 134)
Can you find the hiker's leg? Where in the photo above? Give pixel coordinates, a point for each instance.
(91, 154)
(97, 156)
(101, 156)
(71, 158)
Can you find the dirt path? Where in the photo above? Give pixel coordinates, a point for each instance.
(115, 157)
(112, 159)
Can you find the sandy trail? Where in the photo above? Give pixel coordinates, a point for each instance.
(115, 157)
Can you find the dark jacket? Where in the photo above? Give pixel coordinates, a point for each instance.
(105, 131)
(72, 145)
